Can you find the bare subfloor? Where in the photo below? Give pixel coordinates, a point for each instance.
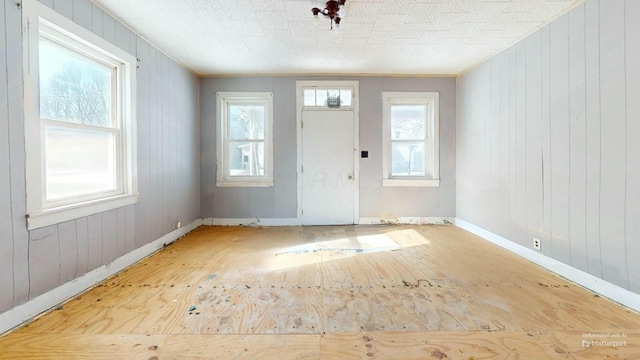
(346, 292)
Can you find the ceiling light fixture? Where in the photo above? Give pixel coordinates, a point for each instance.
(334, 10)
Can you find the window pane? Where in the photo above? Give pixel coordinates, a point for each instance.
(73, 89)
(408, 122)
(246, 158)
(246, 122)
(309, 97)
(321, 97)
(78, 162)
(345, 97)
(407, 159)
(333, 98)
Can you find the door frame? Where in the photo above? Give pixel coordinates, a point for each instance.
(300, 84)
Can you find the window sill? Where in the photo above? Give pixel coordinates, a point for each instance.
(411, 182)
(244, 184)
(61, 214)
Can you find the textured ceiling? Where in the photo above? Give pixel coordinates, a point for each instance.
(428, 37)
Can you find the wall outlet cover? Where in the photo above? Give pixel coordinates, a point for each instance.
(536, 244)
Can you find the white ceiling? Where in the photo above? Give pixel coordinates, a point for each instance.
(418, 37)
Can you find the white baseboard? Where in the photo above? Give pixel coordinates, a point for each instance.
(255, 221)
(602, 287)
(408, 220)
(415, 220)
(22, 313)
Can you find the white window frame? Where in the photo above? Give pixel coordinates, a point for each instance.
(432, 143)
(41, 21)
(223, 175)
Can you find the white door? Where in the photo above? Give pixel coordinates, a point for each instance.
(328, 180)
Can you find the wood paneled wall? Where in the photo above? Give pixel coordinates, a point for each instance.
(376, 200)
(32, 263)
(547, 141)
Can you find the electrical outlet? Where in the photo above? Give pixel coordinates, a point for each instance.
(536, 244)
(178, 224)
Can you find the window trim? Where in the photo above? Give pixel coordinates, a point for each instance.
(223, 178)
(432, 143)
(42, 21)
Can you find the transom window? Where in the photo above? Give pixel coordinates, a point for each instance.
(410, 139)
(327, 97)
(244, 123)
(79, 133)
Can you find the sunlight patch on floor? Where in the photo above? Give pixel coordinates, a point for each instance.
(312, 253)
(358, 244)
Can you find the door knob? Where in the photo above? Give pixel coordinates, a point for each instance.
(350, 177)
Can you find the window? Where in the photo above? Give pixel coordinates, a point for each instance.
(79, 132)
(244, 142)
(411, 156)
(327, 97)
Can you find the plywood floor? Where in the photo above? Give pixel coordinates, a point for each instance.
(347, 292)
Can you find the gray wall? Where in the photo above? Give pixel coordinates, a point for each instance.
(547, 141)
(280, 201)
(32, 263)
